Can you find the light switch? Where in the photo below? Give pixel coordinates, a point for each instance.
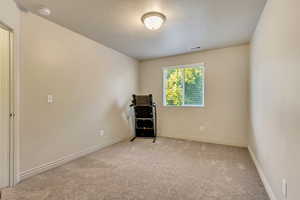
(50, 98)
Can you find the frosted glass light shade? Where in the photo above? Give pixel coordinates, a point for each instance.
(153, 20)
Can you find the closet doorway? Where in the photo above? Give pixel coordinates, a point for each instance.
(6, 106)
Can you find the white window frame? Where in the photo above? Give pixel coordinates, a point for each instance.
(202, 65)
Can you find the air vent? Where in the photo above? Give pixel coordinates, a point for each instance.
(44, 11)
(195, 48)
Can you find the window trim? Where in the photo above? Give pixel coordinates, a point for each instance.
(202, 65)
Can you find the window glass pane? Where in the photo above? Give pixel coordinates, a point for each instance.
(193, 86)
(174, 87)
(184, 86)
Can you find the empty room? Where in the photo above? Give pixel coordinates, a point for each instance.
(149, 100)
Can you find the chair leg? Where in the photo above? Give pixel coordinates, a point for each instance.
(132, 139)
(154, 139)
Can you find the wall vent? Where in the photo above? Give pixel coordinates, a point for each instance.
(195, 48)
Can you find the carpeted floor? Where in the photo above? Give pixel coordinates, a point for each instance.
(167, 170)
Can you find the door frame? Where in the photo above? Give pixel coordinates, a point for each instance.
(13, 101)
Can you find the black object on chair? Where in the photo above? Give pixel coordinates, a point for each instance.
(145, 116)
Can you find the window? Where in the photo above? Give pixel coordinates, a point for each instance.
(184, 85)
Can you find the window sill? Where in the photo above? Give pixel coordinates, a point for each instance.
(187, 106)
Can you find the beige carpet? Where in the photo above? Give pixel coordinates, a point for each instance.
(167, 170)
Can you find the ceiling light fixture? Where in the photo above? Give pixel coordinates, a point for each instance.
(44, 11)
(153, 20)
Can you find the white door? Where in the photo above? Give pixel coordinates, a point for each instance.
(4, 106)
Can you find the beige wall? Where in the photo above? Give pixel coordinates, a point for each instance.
(10, 14)
(275, 86)
(224, 119)
(91, 85)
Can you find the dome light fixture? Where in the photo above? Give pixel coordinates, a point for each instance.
(153, 20)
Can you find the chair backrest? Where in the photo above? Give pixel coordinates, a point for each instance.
(142, 100)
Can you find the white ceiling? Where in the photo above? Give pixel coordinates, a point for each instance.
(117, 23)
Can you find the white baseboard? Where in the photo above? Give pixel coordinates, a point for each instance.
(50, 165)
(262, 176)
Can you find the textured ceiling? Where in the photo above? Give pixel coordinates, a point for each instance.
(117, 23)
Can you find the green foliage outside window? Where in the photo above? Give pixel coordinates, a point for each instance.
(184, 86)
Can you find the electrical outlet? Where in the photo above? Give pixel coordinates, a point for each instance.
(50, 98)
(202, 128)
(101, 132)
(284, 189)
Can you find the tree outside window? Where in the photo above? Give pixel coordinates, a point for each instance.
(184, 86)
